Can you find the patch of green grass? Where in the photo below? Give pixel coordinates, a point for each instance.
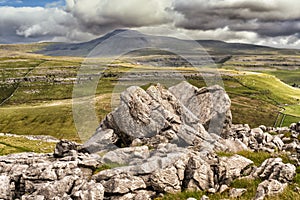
(292, 110)
(224, 154)
(288, 76)
(249, 184)
(257, 157)
(10, 145)
(54, 120)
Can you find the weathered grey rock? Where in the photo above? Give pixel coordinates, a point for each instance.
(102, 140)
(233, 145)
(128, 196)
(43, 176)
(198, 175)
(57, 188)
(144, 195)
(263, 128)
(232, 167)
(166, 180)
(295, 127)
(5, 191)
(211, 105)
(274, 168)
(89, 190)
(223, 188)
(122, 156)
(33, 197)
(154, 116)
(278, 142)
(237, 192)
(269, 188)
(136, 195)
(191, 198)
(123, 183)
(204, 197)
(64, 147)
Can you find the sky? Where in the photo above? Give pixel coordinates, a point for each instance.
(265, 22)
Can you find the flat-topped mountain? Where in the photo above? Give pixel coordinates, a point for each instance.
(136, 38)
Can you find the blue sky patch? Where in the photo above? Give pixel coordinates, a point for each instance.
(32, 3)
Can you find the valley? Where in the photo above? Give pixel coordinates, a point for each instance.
(36, 89)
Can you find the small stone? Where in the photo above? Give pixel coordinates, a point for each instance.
(191, 198)
(236, 192)
(269, 188)
(223, 188)
(64, 148)
(204, 197)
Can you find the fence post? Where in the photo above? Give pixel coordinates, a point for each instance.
(276, 121)
(282, 120)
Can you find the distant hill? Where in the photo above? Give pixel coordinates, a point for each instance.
(135, 38)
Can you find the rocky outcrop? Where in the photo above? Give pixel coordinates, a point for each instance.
(159, 115)
(45, 176)
(157, 141)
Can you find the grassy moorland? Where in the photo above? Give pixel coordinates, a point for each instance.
(36, 90)
(36, 99)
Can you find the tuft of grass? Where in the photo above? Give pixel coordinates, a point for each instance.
(249, 184)
(257, 157)
(224, 154)
(107, 166)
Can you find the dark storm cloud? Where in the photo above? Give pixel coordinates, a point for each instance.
(100, 16)
(274, 22)
(267, 18)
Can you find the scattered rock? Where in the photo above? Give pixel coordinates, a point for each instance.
(204, 197)
(269, 188)
(166, 180)
(237, 192)
(164, 141)
(64, 148)
(274, 168)
(191, 198)
(123, 183)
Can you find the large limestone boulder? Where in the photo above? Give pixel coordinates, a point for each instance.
(210, 104)
(157, 116)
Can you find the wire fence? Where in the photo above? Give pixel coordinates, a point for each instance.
(284, 119)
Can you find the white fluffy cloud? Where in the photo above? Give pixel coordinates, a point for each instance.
(268, 22)
(35, 24)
